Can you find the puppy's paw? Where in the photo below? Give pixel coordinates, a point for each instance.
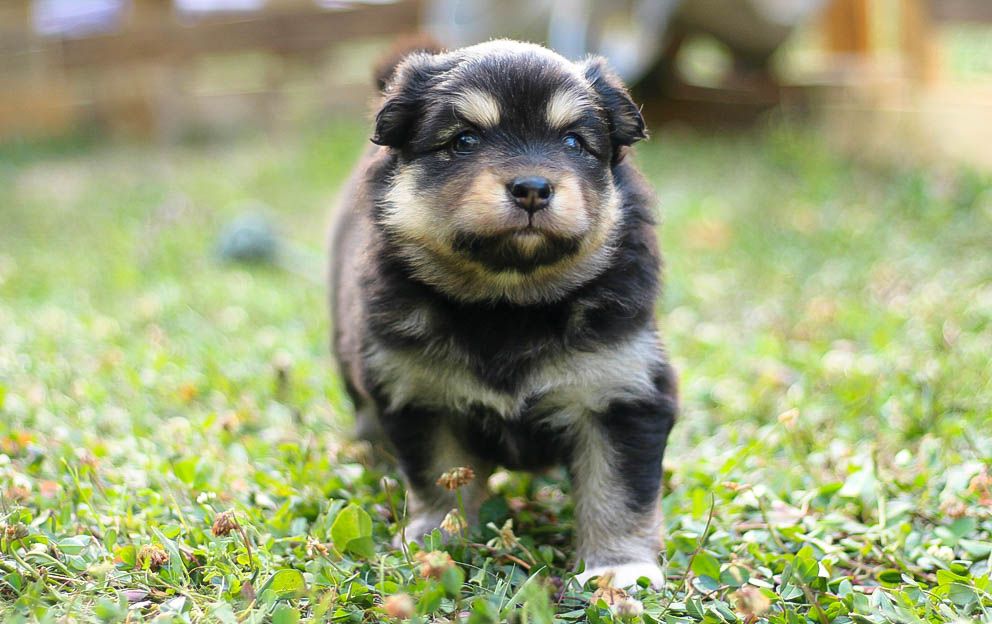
(626, 575)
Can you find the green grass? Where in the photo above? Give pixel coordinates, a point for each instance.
(831, 322)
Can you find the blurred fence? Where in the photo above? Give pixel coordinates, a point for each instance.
(881, 72)
(154, 67)
(909, 79)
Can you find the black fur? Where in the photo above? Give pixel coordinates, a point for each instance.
(625, 120)
(641, 441)
(496, 253)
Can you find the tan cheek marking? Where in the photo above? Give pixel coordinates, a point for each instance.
(607, 219)
(568, 213)
(478, 107)
(405, 212)
(565, 107)
(484, 209)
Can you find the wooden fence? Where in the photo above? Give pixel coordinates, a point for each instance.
(159, 73)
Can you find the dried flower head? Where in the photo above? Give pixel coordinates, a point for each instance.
(505, 538)
(434, 564)
(314, 547)
(456, 478)
(12, 532)
(981, 481)
(152, 557)
(398, 606)
(953, 508)
(788, 418)
(733, 486)
(453, 523)
(981, 485)
(18, 493)
(751, 602)
(224, 523)
(49, 489)
(605, 590)
(229, 421)
(609, 595)
(627, 608)
(87, 458)
(188, 392)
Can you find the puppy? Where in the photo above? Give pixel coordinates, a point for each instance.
(494, 277)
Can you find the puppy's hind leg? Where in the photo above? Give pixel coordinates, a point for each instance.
(427, 448)
(616, 471)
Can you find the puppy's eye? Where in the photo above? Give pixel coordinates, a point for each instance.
(466, 143)
(572, 142)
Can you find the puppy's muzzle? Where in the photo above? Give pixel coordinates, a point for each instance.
(531, 193)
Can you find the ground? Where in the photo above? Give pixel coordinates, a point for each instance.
(831, 321)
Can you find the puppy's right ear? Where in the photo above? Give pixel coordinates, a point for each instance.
(625, 120)
(404, 95)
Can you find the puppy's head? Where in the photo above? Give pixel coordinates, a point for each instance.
(503, 187)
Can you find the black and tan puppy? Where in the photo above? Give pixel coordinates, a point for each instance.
(494, 277)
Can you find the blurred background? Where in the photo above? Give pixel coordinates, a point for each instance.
(888, 75)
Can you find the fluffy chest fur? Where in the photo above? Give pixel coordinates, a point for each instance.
(555, 384)
(596, 345)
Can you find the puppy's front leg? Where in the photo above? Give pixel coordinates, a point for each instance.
(426, 448)
(616, 471)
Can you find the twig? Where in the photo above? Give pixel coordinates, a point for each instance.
(692, 557)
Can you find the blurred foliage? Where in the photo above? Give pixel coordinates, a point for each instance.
(172, 436)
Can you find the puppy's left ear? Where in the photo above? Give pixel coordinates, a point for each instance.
(624, 117)
(404, 98)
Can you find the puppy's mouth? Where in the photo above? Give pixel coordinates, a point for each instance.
(522, 249)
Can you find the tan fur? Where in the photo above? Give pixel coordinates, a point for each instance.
(569, 213)
(477, 107)
(565, 107)
(405, 211)
(485, 209)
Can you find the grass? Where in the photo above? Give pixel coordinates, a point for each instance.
(831, 322)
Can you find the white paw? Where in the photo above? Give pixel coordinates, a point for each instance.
(626, 575)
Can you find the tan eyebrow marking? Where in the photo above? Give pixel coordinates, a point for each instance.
(478, 107)
(565, 107)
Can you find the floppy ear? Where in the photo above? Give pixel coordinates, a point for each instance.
(404, 99)
(624, 117)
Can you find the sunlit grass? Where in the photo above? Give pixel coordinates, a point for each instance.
(832, 325)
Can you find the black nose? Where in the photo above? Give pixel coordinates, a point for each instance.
(532, 193)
